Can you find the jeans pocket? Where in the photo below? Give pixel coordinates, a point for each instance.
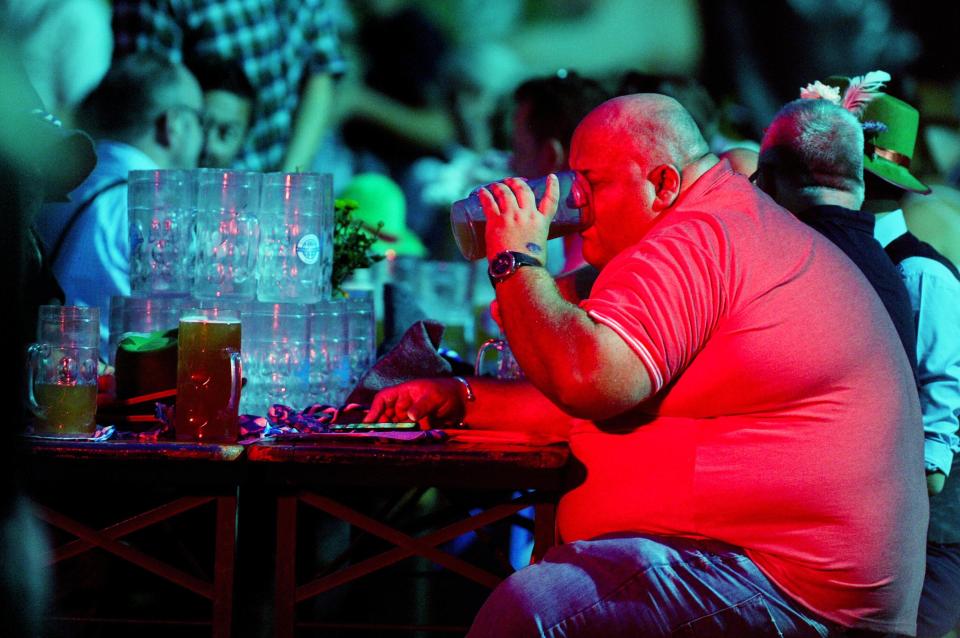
(750, 617)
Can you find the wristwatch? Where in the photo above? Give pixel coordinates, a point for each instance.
(504, 264)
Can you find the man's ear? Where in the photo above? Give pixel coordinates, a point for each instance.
(666, 183)
(554, 154)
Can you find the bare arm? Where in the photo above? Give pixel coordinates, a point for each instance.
(309, 123)
(497, 405)
(431, 128)
(582, 366)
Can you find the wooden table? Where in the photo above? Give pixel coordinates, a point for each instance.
(300, 470)
(288, 474)
(63, 473)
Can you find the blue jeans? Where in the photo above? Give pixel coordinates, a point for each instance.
(641, 586)
(940, 600)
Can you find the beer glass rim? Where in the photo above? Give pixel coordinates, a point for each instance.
(84, 313)
(219, 315)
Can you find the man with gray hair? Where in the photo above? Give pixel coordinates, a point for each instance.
(811, 163)
(732, 388)
(145, 114)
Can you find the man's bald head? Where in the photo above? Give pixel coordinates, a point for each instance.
(634, 156)
(647, 126)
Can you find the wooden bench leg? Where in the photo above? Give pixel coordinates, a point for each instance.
(223, 567)
(544, 529)
(286, 573)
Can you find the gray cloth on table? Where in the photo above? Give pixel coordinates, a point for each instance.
(414, 357)
(400, 311)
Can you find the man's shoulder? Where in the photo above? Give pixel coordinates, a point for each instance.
(917, 256)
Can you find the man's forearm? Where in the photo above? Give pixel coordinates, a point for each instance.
(529, 410)
(564, 353)
(309, 124)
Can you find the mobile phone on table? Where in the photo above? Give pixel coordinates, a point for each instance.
(372, 427)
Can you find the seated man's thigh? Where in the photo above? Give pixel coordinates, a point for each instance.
(642, 586)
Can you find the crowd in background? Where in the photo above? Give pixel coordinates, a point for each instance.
(439, 97)
(421, 91)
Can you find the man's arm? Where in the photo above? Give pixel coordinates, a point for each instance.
(938, 344)
(147, 26)
(582, 366)
(309, 123)
(489, 404)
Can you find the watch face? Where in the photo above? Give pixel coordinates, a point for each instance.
(502, 264)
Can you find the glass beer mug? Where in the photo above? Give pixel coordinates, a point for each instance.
(506, 366)
(469, 224)
(208, 376)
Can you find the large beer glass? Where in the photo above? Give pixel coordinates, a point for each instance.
(63, 389)
(162, 209)
(208, 376)
(295, 259)
(276, 357)
(469, 224)
(228, 231)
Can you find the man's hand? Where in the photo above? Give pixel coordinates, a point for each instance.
(515, 220)
(935, 482)
(429, 402)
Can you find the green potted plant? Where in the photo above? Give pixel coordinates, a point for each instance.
(351, 243)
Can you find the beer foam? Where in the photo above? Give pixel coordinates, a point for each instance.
(203, 319)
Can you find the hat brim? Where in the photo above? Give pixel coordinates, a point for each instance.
(406, 244)
(894, 174)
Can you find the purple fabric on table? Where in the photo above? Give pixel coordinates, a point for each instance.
(282, 419)
(416, 356)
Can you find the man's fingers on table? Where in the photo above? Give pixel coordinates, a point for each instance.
(381, 404)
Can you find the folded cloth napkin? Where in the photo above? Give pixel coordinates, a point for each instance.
(146, 363)
(414, 357)
(400, 310)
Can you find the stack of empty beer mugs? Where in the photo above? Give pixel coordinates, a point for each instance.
(261, 244)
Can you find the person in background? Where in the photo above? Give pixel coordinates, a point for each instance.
(380, 200)
(811, 163)
(228, 105)
(933, 284)
(737, 397)
(288, 50)
(145, 114)
(65, 46)
(40, 160)
(546, 111)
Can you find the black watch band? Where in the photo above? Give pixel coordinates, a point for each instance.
(506, 263)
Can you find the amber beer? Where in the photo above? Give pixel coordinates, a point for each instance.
(67, 409)
(469, 224)
(208, 376)
(62, 389)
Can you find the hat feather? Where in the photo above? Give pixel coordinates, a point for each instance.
(862, 89)
(820, 91)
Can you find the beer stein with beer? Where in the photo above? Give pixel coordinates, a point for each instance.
(208, 376)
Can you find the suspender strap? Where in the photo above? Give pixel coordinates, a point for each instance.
(75, 217)
(907, 245)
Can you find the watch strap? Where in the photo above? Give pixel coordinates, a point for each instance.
(519, 260)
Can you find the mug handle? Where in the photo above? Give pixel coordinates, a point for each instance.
(34, 352)
(236, 378)
(496, 344)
